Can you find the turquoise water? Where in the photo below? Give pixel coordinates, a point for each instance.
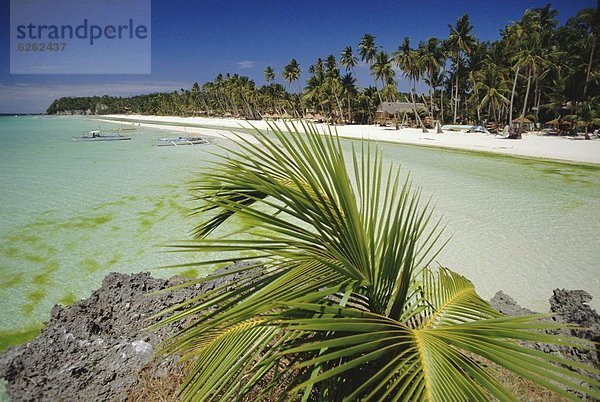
(72, 212)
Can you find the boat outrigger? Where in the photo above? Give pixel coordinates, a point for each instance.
(173, 142)
(95, 135)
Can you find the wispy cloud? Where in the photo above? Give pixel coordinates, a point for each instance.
(244, 64)
(33, 98)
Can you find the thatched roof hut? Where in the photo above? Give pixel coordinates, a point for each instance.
(522, 120)
(318, 117)
(523, 123)
(309, 116)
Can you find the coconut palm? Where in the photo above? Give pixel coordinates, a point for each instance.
(381, 69)
(347, 59)
(431, 57)
(269, 74)
(460, 41)
(407, 60)
(590, 18)
(338, 301)
(291, 72)
(367, 49)
(349, 84)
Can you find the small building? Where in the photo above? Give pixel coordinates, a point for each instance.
(387, 112)
(561, 126)
(523, 124)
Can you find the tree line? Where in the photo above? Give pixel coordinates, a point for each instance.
(536, 70)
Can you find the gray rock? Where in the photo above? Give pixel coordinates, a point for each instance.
(97, 348)
(507, 305)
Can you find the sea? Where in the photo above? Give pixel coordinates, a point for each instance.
(71, 212)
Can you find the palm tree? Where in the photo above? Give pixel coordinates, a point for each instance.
(591, 20)
(381, 69)
(349, 84)
(269, 74)
(367, 49)
(337, 301)
(431, 57)
(407, 60)
(347, 59)
(291, 73)
(460, 41)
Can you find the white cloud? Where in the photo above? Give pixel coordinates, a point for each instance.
(244, 64)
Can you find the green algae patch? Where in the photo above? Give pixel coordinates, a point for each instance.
(90, 222)
(35, 299)
(90, 265)
(190, 273)
(12, 338)
(42, 279)
(13, 280)
(114, 260)
(68, 299)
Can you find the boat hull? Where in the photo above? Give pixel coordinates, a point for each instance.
(104, 138)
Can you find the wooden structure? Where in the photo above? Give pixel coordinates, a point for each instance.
(523, 124)
(388, 112)
(559, 125)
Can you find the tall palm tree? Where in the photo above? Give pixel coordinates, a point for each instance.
(431, 57)
(269, 74)
(349, 84)
(590, 18)
(407, 60)
(337, 301)
(460, 41)
(347, 59)
(291, 72)
(382, 69)
(367, 49)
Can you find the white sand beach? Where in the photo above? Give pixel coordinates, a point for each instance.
(536, 145)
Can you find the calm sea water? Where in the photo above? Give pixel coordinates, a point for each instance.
(72, 212)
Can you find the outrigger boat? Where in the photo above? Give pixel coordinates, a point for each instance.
(173, 142)
(95, 135)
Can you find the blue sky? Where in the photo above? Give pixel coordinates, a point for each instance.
(196, 40)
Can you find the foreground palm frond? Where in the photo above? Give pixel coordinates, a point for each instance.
(343, 305)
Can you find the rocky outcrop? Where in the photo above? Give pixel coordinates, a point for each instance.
(566, 306)
(96, 349)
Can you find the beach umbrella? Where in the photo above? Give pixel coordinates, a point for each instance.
(522, 120)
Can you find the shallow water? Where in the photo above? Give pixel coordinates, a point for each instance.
(72, 212)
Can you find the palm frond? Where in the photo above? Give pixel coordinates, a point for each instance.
(344, 301)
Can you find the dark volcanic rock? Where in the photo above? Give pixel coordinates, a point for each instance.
(570, 306)
(95, 350)
(507, 305)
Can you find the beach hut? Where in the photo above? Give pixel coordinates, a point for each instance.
(309, 116)
(559, 125)
(318, 118)
(286, 115)
(388, 111)
(523, 123)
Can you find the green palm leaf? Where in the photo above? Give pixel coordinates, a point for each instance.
(343, 303)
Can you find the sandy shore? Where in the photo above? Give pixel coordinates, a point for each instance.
(536, 145)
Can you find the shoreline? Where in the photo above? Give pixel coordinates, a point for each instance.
(536, 146)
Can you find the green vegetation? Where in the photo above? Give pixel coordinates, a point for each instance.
(536, 70)
(344, 304)
(11, 338)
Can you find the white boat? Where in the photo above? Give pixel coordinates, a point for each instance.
(173, 142)
(465, 128)
(95, 135)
